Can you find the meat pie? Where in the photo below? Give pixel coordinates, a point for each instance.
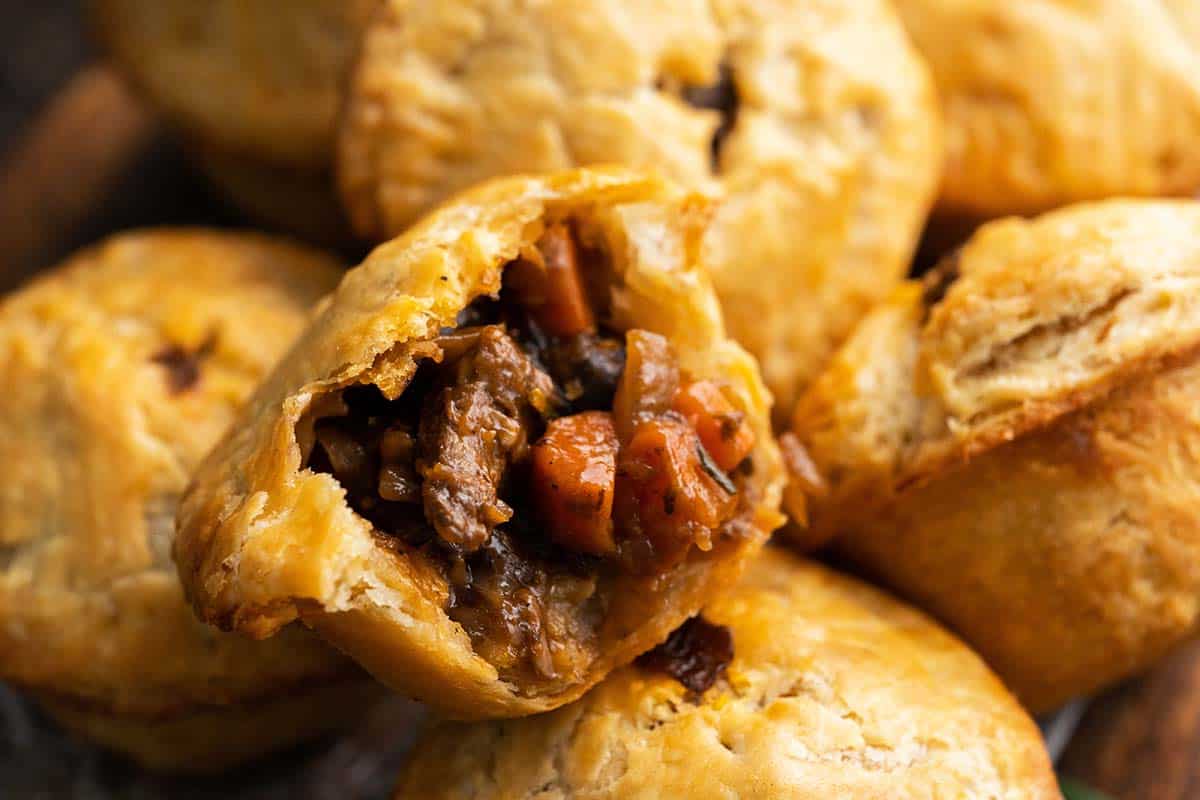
(816, 121)
(1025, 133)
(797, 683)
(120, 370)
(514, 452)
(1015, 444)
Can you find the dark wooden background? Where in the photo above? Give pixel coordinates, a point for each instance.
(1139, 742)
(41, 46)
(44, 50)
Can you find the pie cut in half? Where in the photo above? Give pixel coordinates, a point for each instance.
(514, 451)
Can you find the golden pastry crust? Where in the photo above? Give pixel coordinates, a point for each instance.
(263, 541)
(1049, 103)
(1020, 456)
(121, 368)
(208, 739)
(827, 166)
(1186, 15)
(243, 75)
(833, 684)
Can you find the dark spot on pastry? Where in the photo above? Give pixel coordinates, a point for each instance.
(695, 654)
(183, 365)
(1169, 161)
(721, 96)
(868, 117)
(937, 281)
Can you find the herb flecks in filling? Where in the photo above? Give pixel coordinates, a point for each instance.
(540, 460)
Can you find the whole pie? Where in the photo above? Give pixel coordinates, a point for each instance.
(1049, 103)
(814, 121)
(1015, 443)
(799, 682)
(251, 78)
(121, 368)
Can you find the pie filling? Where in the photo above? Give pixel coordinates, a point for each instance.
(696, 654)
(545, 463)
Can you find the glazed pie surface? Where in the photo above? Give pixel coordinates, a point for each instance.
(1013, 443)
(815, 121)
(121, 369)
(1049, 103)
(252, 78)
(831, 684)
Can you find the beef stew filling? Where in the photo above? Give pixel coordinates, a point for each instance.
(482, 417)
(541, 459)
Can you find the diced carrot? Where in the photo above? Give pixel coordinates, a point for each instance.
(553, 292)
(574, 467)
(566, 312)
(666, 493)
(721, 427)
(648, 382)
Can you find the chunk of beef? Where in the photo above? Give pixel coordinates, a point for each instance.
(483, 416)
